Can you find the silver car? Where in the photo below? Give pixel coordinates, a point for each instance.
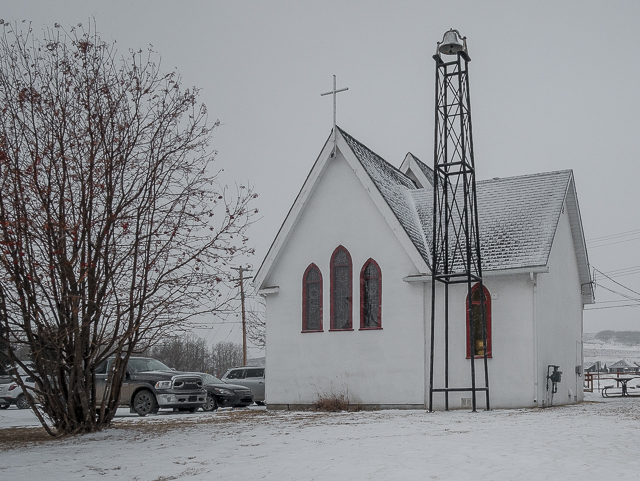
(12, 393)
(251, 377)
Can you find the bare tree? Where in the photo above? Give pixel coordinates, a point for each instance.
(225, 355)
(184, 353)
(113, 227)
(190, 352)
(257, 321)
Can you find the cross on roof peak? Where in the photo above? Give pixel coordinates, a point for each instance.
(334, 92)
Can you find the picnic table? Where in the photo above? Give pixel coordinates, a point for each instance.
(623, 380)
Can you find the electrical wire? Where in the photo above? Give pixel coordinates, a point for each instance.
(612, 243)
(629, 271)
(615, 282)
(624, 269)
(619, 293)
(610, 307)
(612, 236)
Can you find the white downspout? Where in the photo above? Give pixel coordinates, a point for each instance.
(534, 280)
(425, 364)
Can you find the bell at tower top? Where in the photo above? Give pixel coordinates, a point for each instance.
(452, 43)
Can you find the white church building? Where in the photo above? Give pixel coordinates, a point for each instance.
(347, 283)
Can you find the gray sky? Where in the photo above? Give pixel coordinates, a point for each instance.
(554, 85)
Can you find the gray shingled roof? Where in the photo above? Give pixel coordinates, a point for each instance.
(426, 170)
(395, 188)
(518, 216)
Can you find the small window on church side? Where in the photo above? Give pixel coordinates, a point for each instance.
(476, 317)
(312, 300)
(341, 300)
(371, 296)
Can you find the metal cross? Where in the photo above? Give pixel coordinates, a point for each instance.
(334, 92)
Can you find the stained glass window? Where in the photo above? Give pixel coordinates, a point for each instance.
(370, 296)
(312, 299)
(341, 289)
(474, 321)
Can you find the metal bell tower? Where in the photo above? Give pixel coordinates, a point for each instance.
(455, 236)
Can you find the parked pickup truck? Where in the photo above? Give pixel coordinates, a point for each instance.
(149, 385)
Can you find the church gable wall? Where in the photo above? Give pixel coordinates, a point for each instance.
(559, 307)
(378, 367)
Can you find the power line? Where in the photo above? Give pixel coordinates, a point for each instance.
(608, 302)
(610, 307)
(612, 236)
(616, 271)
(619, 293)
(612, 243)
(615, 282)
(629, 271)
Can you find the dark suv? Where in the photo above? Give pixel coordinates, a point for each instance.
(149, 385)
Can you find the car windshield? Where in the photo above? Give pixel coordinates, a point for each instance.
(146, 364)
(209, 379)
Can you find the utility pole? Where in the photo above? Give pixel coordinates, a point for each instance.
(244, 319)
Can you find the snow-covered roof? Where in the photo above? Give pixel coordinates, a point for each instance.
(518, 216)
(623, 363)
(395, 188)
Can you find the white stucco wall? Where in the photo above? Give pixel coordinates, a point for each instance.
(559, 316)
(510, 368)
(376, 367)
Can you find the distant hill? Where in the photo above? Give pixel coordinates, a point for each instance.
(610, 347)
(628, 338)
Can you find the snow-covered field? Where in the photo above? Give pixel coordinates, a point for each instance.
(597, 439)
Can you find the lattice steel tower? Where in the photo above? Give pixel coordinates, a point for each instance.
(456, 239)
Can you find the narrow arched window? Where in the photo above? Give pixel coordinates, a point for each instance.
(474, 321)
(312, 299)
(370, 296)
(341, 289)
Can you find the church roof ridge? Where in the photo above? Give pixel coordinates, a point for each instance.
(393, 186)
(352, 140)
(526, 176)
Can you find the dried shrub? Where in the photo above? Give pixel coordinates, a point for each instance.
(335, 402)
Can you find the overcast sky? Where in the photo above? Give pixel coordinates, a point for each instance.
(554, 85)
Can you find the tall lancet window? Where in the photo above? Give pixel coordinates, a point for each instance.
(341, 299)
(312, 300)
(476, 306)
(370, 296)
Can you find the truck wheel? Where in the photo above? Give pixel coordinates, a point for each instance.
(22, 402)
(210, 404)
(144, 402)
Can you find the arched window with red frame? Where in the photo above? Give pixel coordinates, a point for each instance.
(341, 288)
(476, 312)
(312, 299)
(371, 296)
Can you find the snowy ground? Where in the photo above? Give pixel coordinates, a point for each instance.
(597, 439)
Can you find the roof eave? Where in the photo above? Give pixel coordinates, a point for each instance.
(308, 187)
(579, 243)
